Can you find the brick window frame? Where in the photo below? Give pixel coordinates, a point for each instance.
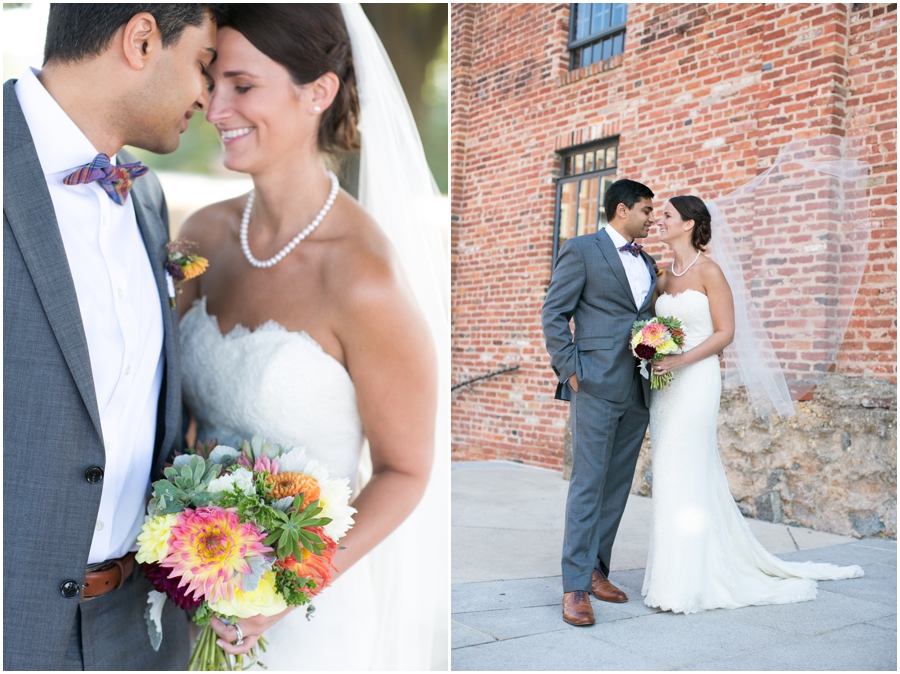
(585, 173)
(598, 36)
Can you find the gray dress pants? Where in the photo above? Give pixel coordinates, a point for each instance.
(606, 441)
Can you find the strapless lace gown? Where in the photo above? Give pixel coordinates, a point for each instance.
(702, 552)
(281, 384)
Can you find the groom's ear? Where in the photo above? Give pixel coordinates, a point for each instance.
(140, 40)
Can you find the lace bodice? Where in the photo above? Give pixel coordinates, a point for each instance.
(691, 307)
(270, 381)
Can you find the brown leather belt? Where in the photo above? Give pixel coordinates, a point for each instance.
(107, 577)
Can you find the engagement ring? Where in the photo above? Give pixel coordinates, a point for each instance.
(240, 634)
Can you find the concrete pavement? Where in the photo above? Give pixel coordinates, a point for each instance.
(507, 592)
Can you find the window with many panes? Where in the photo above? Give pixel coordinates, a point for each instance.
(585, 174)
(596, 31)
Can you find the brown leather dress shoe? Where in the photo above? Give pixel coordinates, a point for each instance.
(606, 591)
(577, 608)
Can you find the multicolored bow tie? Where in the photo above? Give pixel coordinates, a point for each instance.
(115, 180)
(633, 248)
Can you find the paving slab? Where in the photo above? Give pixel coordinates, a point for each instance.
(832, 610)
(567, 650)
(506, 593)
(466, 636)
(858, 647)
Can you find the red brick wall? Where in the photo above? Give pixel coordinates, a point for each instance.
(703, 99)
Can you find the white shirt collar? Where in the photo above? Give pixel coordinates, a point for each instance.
(617, 239)
(60, 144)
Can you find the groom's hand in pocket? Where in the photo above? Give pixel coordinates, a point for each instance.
(573, 383)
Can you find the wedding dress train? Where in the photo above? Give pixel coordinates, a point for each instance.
(283, 385)
(702, 552)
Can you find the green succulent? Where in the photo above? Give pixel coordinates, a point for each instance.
(186, 485)
(290, 529)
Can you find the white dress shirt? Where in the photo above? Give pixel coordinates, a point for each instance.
(635, 268)
(121, 312)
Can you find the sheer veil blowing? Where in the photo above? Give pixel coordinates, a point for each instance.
(792, 244)
(396, 187)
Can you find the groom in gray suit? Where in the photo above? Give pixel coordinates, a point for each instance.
(605, 282)
(91, 379)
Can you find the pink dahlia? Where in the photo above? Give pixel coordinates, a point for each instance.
(209, 549)
(654, 334)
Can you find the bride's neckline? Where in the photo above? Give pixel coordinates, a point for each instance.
(240, 331)
(686, 290)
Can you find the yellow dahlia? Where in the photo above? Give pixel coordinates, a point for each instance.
(154, 538)
(209, 550)
(264, 600)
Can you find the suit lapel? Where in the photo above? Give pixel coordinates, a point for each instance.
(155, 235)
(608, 248)
(649, 262)
(32, 219)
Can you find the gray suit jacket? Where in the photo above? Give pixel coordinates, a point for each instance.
(589, 283)
(51, 429)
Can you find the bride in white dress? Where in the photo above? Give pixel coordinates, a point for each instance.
(702, 553)
(305, 328)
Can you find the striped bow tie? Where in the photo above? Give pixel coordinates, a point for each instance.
(633, 248)
(115, 180)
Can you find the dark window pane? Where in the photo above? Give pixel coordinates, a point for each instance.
(595, 53)
(567, 166)
(600, 17)
(589, 162)
(619, 13)
(582, 20)
(607, 49)
(618, 42)
(611, 156)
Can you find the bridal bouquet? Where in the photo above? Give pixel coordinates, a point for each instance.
(653, 339)
(237, 533)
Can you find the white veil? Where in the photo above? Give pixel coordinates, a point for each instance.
(396, 188)
(792, 244)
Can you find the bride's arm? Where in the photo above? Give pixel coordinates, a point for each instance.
(721, 307)
(391, 358)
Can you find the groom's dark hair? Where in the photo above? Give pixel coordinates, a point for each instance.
(626, 192)
(80, 31)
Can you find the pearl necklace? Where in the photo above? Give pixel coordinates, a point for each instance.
(688, 267)
(275, 259)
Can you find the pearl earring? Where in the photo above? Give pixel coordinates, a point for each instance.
(317, 109)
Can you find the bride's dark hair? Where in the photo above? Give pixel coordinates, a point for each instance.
(693, 208)
(309, 40)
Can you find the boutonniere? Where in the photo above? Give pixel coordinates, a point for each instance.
(182, 265)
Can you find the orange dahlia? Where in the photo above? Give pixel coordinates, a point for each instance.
(291, 484)
(195, 267)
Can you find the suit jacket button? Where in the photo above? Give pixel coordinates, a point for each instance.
(94, 474)
(69, 589)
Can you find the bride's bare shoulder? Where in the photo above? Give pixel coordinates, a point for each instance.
(211, 224)
(361, 264)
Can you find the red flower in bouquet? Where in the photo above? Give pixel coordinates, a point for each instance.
(317, 567)
(162, 583)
